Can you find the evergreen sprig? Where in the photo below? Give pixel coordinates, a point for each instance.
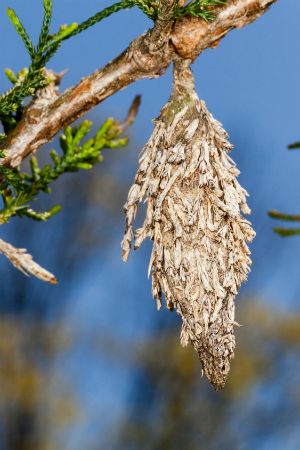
(19, 190)
(203, 9)
(11, 102)
(21, 31)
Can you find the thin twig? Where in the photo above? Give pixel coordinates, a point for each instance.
(282, 216)
(41, 123)
(24, 262)
(131, 115)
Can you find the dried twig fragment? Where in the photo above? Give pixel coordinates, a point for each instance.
(194, 204)
(23, 261)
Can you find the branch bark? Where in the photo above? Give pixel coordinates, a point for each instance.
(23, 261)
(148, 56)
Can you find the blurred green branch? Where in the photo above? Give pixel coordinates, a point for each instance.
(281, 216)
(282, 231)
(294, 146)
(286, 232)
(19, 189)
(27, 129)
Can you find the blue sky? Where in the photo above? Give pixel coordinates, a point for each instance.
(250, 83)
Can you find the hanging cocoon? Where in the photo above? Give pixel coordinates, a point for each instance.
(194, 217)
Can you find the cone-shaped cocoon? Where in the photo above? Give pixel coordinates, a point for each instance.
(194, 217)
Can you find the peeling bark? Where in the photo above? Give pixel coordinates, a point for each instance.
(147, 56)
(23, 261)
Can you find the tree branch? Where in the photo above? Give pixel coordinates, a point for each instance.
(24, 262)
(160, 34)
(192, 35)
(148, 56)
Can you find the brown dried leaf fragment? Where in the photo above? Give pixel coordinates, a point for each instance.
(200, 255)
(23, 261)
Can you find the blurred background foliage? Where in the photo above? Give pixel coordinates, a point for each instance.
(166, 404)
(90, 364)
(173, 409)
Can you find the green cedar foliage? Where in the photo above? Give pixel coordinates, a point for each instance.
(48, 44)
(19, 189)
(203, 9)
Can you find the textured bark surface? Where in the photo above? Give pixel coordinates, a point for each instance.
(194, 204)
(23, 261)
(146, 57)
